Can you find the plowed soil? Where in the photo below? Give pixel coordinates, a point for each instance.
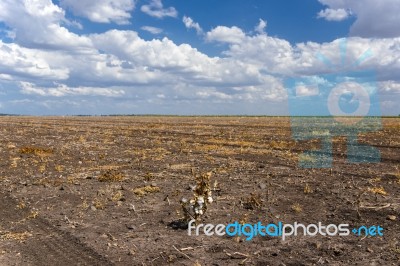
(105, 190)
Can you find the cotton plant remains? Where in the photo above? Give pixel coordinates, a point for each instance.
(202, 196)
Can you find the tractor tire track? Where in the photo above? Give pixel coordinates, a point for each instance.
(47, 244)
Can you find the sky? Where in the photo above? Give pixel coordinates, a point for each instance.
(199, 57)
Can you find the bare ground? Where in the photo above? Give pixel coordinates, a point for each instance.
(71, 192)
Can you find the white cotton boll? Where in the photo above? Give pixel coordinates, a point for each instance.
(200, 200)
(210, 199)
(196, 211)
(201, 212)
(184, 200)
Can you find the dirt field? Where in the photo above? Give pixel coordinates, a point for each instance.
(105, 190)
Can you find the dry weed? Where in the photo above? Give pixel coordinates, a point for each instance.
(297, 208)
(15, 236)
(202, 196)
(307, 189)
(378, 190)
(141, 191)
(252, 202)
(111, 175)
(41, 152)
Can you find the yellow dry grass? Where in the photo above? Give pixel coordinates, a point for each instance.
(111, 175)
(378, 190)
(42, 152)
(307, 189)
(15, 236)
(141, 191)
(297, 207)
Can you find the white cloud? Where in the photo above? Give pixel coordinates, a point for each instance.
(226, 34)
(63, 90)
(155, 53)
(274, 55)
(269, 54)
(260, 28)
(174, 62)
(29, 88)
(37, 24)
(373, 18)
(156, 9)
(21, 63)
(152, 30)
(48, 61)
(103, 11)
(334, 14)
(74, 23)
(302, 90)
(190, 24)
(389, 86)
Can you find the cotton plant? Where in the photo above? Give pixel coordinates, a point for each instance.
(195, 207)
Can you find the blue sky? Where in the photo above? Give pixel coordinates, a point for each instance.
(196, 57)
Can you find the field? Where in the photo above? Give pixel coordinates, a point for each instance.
(107, 191)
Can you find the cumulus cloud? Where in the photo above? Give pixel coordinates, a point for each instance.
(334, 14)
(152, 30)
(260, 28)
(278, 56)
(38, 24)
(156, 9)
(144, 69)
(190, 24)
(390, 97)
(103, 11)
(63, 90)
(303, 90)
(373, 18)
(21, 63)
(165, 57)
(155, 53)
(46, 60)
(225, 34)
(269, 54)
(389, 86)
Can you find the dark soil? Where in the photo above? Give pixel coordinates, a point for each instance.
(74, 192)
